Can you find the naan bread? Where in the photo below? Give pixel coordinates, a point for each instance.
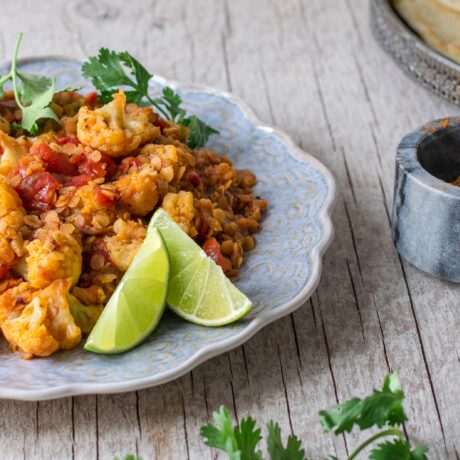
(437, 21)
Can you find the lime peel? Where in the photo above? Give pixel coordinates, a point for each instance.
(137, 304)
(198, 290)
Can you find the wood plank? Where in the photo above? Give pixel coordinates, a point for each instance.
(310, 68)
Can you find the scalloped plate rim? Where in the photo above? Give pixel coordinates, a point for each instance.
(256, 324)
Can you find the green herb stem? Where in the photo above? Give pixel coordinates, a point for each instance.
(158, 106)
(13, 70)
(382, 434)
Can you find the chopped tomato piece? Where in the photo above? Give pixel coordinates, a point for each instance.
(104, 198)
(106, 167)
(212, 248)
(160, 122)
(91, 98)
(110, 166)
(68, 140)
(4, 269)
(56, 162)
(78, 181)
(38, 191)
(194, 178)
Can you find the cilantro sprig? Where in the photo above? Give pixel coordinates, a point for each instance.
(33, 94)
(108, 73)
(383, 408)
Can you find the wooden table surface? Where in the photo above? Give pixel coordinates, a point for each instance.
(312, 68)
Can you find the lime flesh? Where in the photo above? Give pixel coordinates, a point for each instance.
(138, 302)
(198, 289)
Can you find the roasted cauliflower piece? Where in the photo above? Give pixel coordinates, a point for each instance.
(147, 181)
(123, 246)
(54, 253)
(116, 129)
(15, 295)
(166, 153)
(138, 191)
(11, 220)
(180, 207)
(12, 153)
(44, 325)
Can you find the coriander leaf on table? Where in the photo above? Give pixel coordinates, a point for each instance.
(238, 442)
(247, 437)
(293, 449)
(400, 450)
(222, 436)
(382, 407)
(130, 457)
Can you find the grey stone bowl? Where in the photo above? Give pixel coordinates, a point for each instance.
(426, 208)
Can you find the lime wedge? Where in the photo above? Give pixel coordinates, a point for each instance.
(198, 289)
(138, 302)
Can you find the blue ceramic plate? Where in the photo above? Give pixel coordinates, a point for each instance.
(279, 275)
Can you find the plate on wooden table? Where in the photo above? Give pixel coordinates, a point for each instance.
(422, 62)
(279, 276)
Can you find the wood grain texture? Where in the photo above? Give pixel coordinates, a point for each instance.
(312, 68)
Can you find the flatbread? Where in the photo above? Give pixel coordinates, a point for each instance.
(436, 21)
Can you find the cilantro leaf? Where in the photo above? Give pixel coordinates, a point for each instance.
(247, 438)
(293, 449)
(32, 86)
(130, 457)
(381, 407)
(399, 449)
(238, 442)
(222, 436)
(37, 92)
(33, 94)
(140, 73)
(171, 102)
(107, 71)
(199, 132)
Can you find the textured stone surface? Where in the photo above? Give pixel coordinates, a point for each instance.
(426, 209)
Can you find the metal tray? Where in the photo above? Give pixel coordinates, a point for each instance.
(433, 70)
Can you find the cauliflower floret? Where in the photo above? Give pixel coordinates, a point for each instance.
(11, 220)
(116, 129)
(54, 253)
(12, 153)
(166, 153)
(44, 325)
(85, 316)
(180, 207)
(138, 191)
(13, 298)
(147, 180)
(123, 246)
